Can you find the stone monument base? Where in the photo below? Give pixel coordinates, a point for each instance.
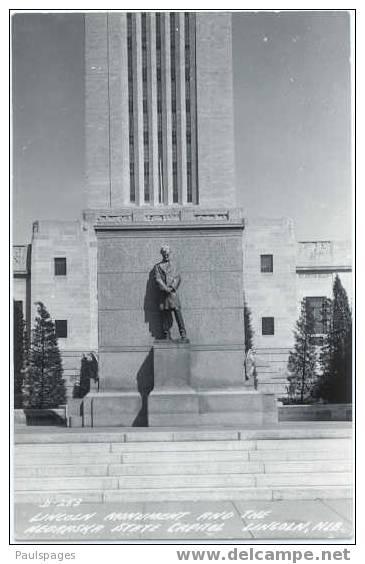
(173, 402)
(178, 407)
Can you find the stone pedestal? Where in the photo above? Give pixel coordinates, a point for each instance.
(171, 364)
(172, 401)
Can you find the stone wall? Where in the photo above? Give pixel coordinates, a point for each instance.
(271, 294)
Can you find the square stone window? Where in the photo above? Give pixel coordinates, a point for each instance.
(267, 263)
(268, 326)
(60, 268)
(61, 328)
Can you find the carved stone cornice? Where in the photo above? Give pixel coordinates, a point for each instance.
(145, 218)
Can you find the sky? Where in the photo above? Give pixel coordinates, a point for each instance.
(292, 113)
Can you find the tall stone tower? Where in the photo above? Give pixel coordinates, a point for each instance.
(160, 169)
(159, 110)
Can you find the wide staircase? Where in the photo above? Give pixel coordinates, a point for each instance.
(302, 461)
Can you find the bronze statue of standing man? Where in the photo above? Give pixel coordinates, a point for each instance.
(168, 280)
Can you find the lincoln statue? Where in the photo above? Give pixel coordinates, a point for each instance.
(168, 280)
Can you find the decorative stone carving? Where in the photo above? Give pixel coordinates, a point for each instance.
(114, 219)
(212, 216)
(162, 217)
(20, 254)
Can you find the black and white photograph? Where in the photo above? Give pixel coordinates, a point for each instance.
(182, 291)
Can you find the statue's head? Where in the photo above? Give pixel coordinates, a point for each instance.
(165, 252)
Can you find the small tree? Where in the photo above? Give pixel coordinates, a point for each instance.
(302, 360)
(248, 328)
(43, 385)
(250, 365)
(84, 386)
(335, 384)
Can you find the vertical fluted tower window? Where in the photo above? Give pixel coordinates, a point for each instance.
(145, 109)
(188, 111)
(132, 194)
(173, 29)
(190, 108)
(159, 108)
(173, 33)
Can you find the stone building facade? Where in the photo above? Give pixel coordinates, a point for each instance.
(299, 270)
(63, 256)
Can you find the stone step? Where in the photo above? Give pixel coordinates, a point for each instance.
(169, 468)
(127, 436)
(237, 480)
(183, 480)
(194, 468)
(61, 470)
(190, 443)
(40, 459)
(224, 467)
(302, 444)
(189, 494)
(280, 431)
(343, 453)
(54, 449)
(244, 445)
(101, 450)
(185, 446)
(308, 466)
(305, 479)
(163, 457)
(113, 448)
(68, 483)
(254, 456)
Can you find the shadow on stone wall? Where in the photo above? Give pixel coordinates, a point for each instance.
(152, 314)
(145, 386)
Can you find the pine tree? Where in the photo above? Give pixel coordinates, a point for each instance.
(336, 359)
(19, 352)
(302, 360)
(43, 385)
